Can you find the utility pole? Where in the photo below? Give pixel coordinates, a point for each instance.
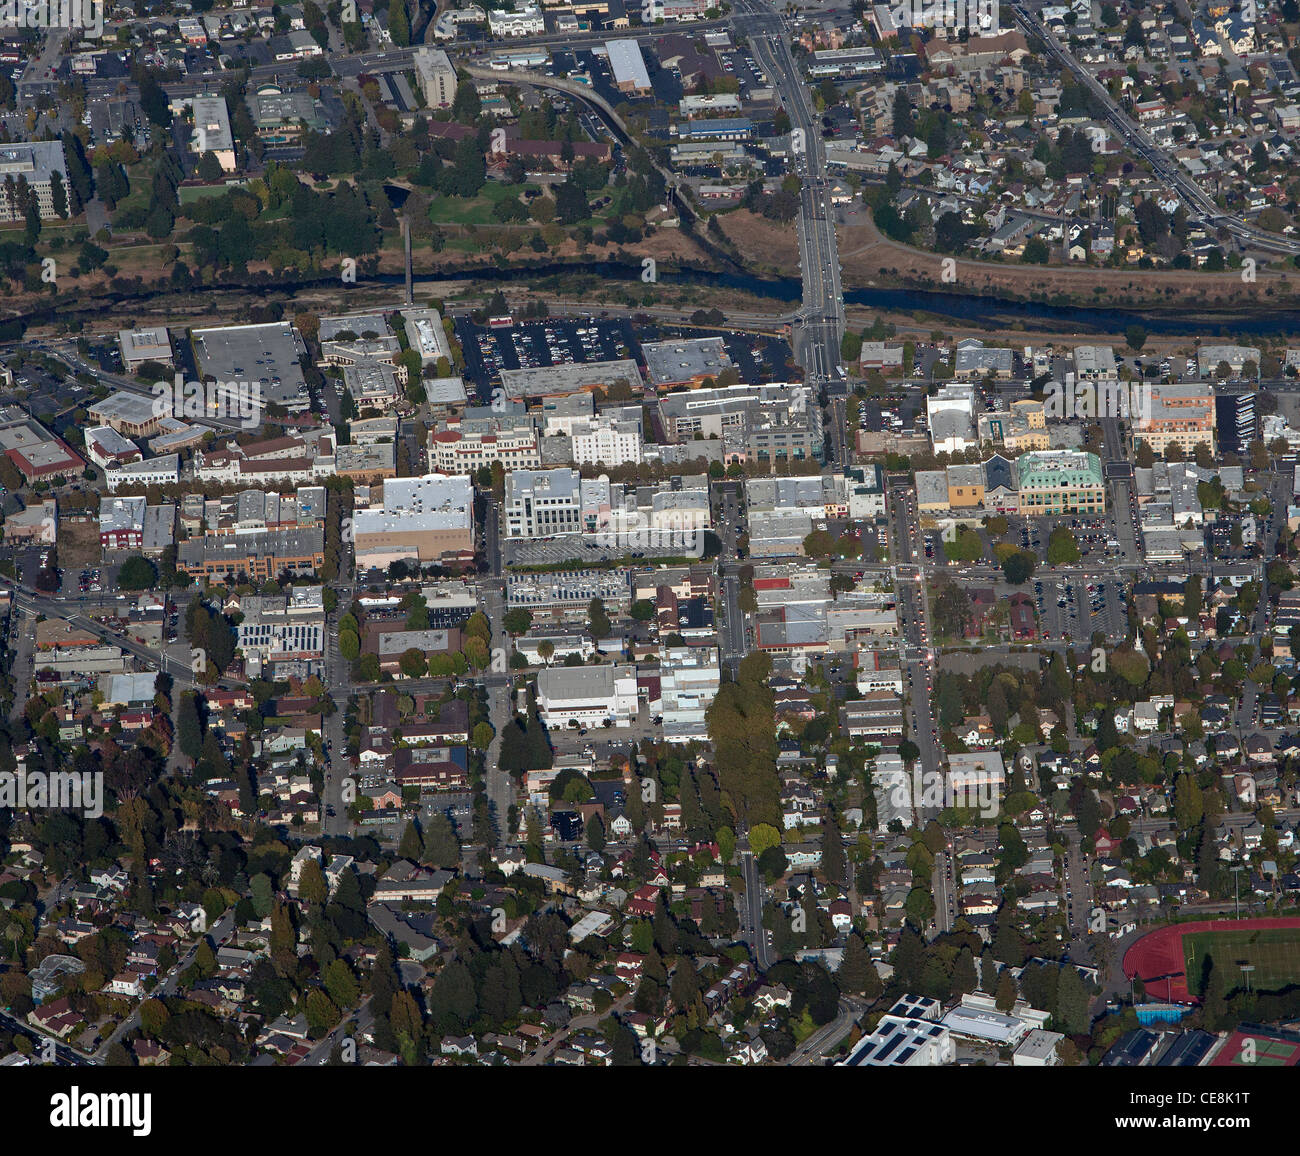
(1236, 889)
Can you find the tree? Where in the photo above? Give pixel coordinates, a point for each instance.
(762, 836)
(137, 573)
(598, 624)
(857, 974)
(1018, 566)
(441, 847)
(411, 844)
(349, 645)
(312, 887)
(1136, 337)
(1006, 994)
(517, 621)
(399, 23)
(1072, 1002)
(413, 664)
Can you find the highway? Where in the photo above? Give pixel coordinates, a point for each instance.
(1200, 205)
(817, 337)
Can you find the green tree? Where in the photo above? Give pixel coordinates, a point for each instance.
(137, 573)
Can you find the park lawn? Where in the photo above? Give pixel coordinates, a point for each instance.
(1275, 952)
(471, 210)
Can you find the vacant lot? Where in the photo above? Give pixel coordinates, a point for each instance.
(78, 545)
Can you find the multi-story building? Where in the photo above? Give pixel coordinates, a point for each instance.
(587, 696)
(1061, 482)
(1181, 415)
(259, 556)
(551, 503)
(689, 677)
(481, 436)
(121, 523)
(32, 165)
(424, 519)
(950, 414)
(606, 441)
(437, 77)
(1021, 427)
(282, 628)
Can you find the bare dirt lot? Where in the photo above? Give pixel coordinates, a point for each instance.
(79, 544)
(870, 260)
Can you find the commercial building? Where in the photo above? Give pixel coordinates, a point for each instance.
(131, 414)
(550, 503)
(426, 335)
(282, 628)
(587, 696)
(909, 1035)
(141, 345)
(755, 422)
(266, 354)
(950, 414)
(975, 359)
(567, 593)
(424, 519)
(676, 363)
(482, 435)
(628, 66)
(212, 131)
(557, 380)
(689, 677)
(121, 523)
(606, 441)
(260, 555)
(160, 471)
(36, 452)
(36, 163)
(1061, 482)
(107, 448)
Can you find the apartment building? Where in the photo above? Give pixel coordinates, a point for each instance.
(1182, 415)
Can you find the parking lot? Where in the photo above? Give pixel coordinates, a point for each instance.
(1072, 610)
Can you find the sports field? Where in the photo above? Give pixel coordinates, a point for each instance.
(1171, 958)
(1274, 952)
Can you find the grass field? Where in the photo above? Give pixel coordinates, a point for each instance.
(1275, 952)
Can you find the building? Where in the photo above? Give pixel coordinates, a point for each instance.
(483, 435)
(141, 345)
(33, 164)
(557, 380)
(950, 414)
(1181, 415)
(161, 471)
(282, 628)
(437, 77)
(606, 441)
(689, 677)
(690, 362)
(567, 593)
(212, 130)
(909, 1035)
(975, 359)
(550, 503)
(628, 66)
(36, 452)
(260, 555)
(131, 414)
(425, 334)
(108, 449)
(423, 519)
(1061, 482)
(121, 523)
(587, 696)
